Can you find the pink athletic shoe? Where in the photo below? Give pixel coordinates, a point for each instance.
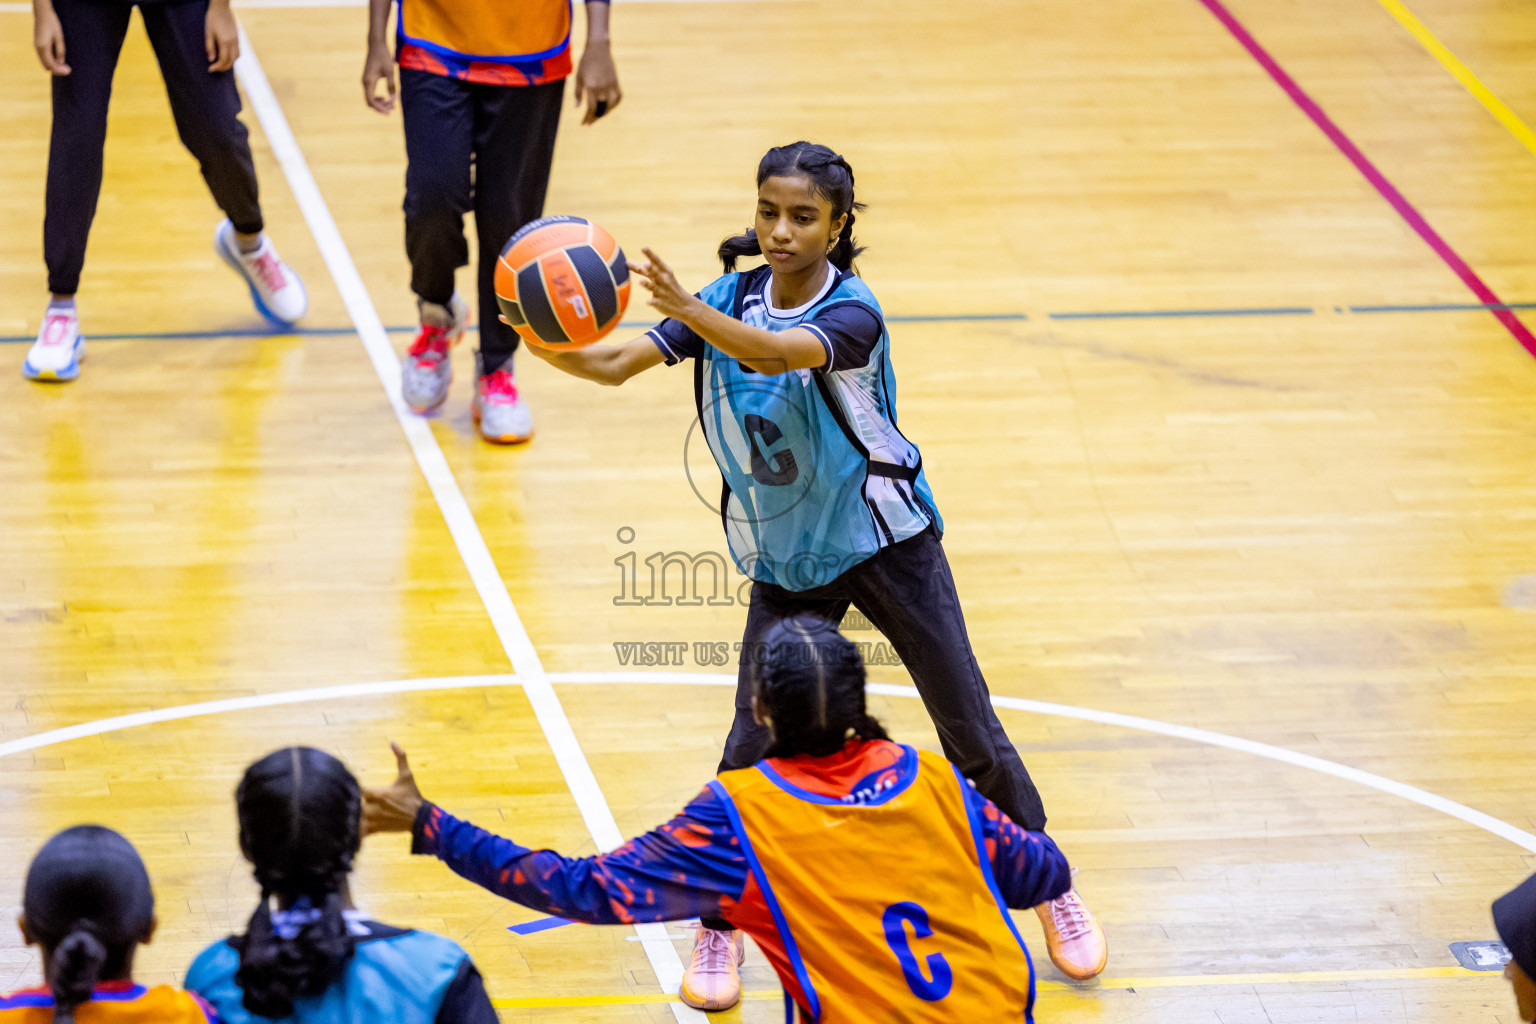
(713, 978)
(1073, 936)
(499, 411)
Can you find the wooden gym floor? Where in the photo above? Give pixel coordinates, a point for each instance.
(1289, 500)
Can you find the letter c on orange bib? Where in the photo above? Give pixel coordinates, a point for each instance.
(562, 282)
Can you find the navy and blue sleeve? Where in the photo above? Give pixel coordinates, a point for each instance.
(849, 331)
(1029, 868)
(677, 341)
(690, 867)
(466, 1001)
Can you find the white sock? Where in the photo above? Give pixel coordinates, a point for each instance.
(434, 315)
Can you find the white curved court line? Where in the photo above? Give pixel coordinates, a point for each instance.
(1475, 818)
(264, 700)
(590, 802)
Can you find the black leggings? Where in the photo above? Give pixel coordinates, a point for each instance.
(205, 105)
(907, 592)
(486, 148)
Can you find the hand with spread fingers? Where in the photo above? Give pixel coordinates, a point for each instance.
(667, 296)
(393, 808)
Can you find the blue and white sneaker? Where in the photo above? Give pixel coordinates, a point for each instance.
(59, 347)
(275, 289)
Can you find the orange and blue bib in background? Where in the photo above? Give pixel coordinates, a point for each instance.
(884, 901)
(112, 1003)
(496, 42)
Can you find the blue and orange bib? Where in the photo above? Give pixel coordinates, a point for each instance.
(112, 1003)
(884, 905)
(495, 42)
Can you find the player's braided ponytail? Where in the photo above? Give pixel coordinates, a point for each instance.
(831, 178)
(809, 682)
(299, 819)
(87, 901)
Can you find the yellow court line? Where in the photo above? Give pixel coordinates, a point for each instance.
(1463, 74)
(1170, 981)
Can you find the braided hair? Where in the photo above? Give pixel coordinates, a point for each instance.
(299, 811)
(831, 178)
(809, 682)
(88, 903)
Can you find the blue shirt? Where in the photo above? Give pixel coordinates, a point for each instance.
(817, 476)
(395, 974)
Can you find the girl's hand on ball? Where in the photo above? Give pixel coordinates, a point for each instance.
(548, 355)
(667, 296)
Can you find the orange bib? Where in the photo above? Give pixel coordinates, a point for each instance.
(887, 909)
(494, 30)
(128, 1004)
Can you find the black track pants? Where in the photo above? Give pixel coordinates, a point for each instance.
(486, 148)
(206, 106)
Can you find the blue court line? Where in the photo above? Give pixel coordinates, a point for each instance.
(267, 332)
(542, 924)
(1446, 307)
(1148, 314)
(1131, 314)
(956, 318)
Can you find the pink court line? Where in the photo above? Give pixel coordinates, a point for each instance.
(1388, 191)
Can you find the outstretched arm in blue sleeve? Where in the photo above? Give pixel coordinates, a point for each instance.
(692, 866)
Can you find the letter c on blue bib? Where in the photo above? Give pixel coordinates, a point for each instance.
(895, 918)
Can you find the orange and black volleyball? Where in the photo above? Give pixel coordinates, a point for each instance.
(562, 282)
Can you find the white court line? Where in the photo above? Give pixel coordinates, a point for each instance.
(1486, 822)
(1476, 818)
(450, 500)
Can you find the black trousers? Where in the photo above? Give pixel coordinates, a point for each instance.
(206, 107)
(486, 148)
(908, 593)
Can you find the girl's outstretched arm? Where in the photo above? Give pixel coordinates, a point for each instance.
(605, 364)
(691, 866)
(767, 352)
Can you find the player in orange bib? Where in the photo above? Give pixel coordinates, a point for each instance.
(481, 86)
(88, 904)
(874, 877)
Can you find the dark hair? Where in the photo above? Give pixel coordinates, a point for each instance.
(831, 178)
(87, 900)
(299, 812)
(809, 683)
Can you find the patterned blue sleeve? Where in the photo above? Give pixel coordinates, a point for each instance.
(678, 341)
(686, 868)
(1029, 869)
